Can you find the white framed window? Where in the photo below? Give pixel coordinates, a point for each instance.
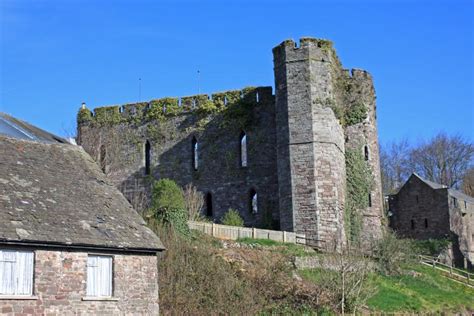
(16, 272)
(99, 276)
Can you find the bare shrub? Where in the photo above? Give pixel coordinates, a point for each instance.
(346, 282)
(392, 254)
(194, 201)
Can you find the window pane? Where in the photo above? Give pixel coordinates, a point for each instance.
(24, 268)
(92, 270)
(7, 272)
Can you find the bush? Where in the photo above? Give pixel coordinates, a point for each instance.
(393, 253)
(232, 218)
(168, 205)
(432, 247)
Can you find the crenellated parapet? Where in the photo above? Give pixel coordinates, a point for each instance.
(171, 106)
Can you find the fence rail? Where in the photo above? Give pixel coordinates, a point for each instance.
(449, 271)
(234, 232)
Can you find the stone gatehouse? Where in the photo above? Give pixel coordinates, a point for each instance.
(278, 158)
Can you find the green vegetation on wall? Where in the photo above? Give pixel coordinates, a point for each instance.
(358, 187)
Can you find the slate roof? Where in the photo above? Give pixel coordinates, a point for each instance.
(432, 184)
(12, 127)
(458, 194)
(55, 194)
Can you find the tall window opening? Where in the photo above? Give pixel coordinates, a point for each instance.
(209, 204)
(426, 223)
(147, 158)
(366, 152)
(103, 158)
(243, 149)
(253, 202)
(412, 223)
(195, 149)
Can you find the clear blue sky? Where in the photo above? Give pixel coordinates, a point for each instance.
(56, 54)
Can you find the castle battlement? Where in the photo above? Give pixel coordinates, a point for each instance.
(186, 104)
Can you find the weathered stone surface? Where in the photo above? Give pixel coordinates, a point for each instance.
(60, 286)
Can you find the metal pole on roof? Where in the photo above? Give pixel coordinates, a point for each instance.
(139, 89)
(198, 77)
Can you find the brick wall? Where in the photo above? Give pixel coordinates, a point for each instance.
(60, 285)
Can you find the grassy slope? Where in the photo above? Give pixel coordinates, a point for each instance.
(429, 291)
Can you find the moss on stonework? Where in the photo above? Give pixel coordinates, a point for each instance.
(358, 187)
(108, 115)
(355, 114)
(84, 116)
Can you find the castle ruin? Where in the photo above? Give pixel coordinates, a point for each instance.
(279, 159)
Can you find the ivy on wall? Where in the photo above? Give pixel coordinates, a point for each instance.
(358, 187)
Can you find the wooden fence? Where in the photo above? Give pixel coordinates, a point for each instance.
(234, 232)
(449, 271)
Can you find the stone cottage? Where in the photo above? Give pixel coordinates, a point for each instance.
(423, 209)
(70, 243)
(278, 157)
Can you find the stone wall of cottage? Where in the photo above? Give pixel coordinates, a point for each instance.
(60, 286)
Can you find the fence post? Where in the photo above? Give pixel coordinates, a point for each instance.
(254, 233)
(284, 236)
(213, 230)
(434, 265)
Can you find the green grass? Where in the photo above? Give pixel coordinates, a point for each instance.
(285, 248)
(427, 292)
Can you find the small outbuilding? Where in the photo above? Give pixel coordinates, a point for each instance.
(424, 209)
(70, 243)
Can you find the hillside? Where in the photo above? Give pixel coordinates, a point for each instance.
(202, 275)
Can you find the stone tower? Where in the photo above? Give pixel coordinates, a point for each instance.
(310, 143)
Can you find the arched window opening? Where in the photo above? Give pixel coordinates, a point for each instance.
(370, 200)
(243, 149)
(103, 158)
(209, 204)
(366, 152)
(253, 202)
(195, 150)
(147, 158)
(426, 223)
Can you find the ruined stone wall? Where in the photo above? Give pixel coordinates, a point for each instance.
(296, 143)
(217, 125)
(417, 202)
(461, 215)
(60, 286)
(311, 164)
